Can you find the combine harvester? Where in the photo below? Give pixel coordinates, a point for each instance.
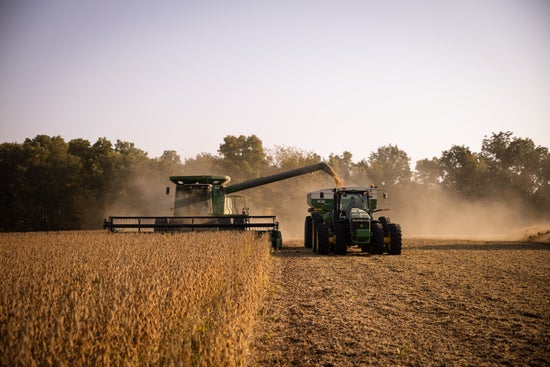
(206, 203)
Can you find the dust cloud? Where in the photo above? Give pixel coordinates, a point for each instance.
(431, 214)
(437, 214)
(420, 213)
(145, 195)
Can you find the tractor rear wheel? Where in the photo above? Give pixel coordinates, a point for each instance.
(341, 230)
(395, 239)
(322, 239)
(384, 221)
(308, 230)
(377, 239)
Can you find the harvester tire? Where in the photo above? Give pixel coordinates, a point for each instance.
(343, 239)
(395, 239)
(322, 239)
(377, 239)
(308, 232)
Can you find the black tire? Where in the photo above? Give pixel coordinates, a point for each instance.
(343, 239)
(316, 219)
(308, 232)
(385, 221)
(395, 239)
(377, 239)
(322, 239)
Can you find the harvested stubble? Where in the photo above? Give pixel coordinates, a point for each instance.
(93, 298)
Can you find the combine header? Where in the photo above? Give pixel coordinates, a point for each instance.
(206, 203)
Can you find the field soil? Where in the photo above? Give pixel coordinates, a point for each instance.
(443, 302)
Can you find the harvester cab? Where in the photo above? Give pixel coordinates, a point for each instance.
(207, 202)
(344, 217)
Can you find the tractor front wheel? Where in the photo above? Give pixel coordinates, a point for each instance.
(341, 230)
(377, 239)
(395, 239)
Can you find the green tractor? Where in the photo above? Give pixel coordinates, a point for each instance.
(344, 217)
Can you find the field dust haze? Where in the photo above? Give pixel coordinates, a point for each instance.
(438, 214)
(419, 212)
(145, 196)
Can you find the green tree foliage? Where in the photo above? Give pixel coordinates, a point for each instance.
(518, 167)
(243, 156)
(428, 173)
(49, 184)
(389, 166)
(343, 165)
(202, 164)
(515, 162)
(286, 158)
(463, 172)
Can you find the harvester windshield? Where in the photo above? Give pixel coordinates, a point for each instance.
(193, 200)
(235, 204)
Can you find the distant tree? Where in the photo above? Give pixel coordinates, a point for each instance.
(343, 165)
(13, 187)
(428, 173)
(52, 182)
(203, 163)
(515, 162)
(169, 163)
(388, 166)
(243, 156)
(463, 171)
(286, 158)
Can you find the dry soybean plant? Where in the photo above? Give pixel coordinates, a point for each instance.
(94, 298)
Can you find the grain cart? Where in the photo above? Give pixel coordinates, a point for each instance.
(344, 217)
(205, 203)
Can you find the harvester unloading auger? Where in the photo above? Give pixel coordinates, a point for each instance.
(206, 203)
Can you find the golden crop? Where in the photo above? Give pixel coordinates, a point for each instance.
(94, 298)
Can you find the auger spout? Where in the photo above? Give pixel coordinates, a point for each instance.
(322, 166)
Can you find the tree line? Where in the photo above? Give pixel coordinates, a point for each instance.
(47, 183)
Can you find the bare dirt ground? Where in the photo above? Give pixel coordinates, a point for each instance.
(441, 303)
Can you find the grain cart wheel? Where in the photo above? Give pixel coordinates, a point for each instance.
(316, 219)
(322, 238)
(308, 232)
(341, 231)
(395, 239)
(377, 239)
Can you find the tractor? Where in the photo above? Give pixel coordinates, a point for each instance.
(343, 217)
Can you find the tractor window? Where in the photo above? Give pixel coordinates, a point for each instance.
(353, 201)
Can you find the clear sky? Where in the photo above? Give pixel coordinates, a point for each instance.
(322, 76)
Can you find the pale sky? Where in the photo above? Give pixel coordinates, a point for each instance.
(322, 76)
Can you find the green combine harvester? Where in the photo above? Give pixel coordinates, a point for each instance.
(207, 203)
(343, 217)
